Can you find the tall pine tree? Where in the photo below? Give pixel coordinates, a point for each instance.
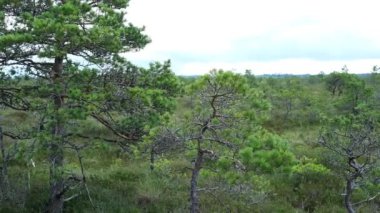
(61, 45)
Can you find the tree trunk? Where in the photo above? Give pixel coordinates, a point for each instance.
(347, 196)
(288, 109)
(152, 158)
(56, 199)
(194, 199)
(4, 184)
(56, 179)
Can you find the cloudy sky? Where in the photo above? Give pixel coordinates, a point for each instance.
(271, 36)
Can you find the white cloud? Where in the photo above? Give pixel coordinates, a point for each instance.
(199, 32)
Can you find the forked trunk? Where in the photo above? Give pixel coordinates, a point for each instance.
(347, 196)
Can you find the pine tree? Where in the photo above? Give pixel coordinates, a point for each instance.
(61, 45)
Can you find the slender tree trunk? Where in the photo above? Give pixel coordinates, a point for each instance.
(288, 109)
(347, 196)
(152, 158)
(56, 198)
(4, 184)
(194, 198)
(55, 204)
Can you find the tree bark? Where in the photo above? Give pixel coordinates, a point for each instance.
(194, 199)
(56, 199)
(4, 184)
(152, 158)
(347, 196)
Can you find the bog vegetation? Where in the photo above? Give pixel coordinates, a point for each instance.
(84, 130)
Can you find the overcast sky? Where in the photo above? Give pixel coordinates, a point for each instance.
(265, 36)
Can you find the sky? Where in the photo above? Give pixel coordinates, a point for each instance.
(264, 36)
